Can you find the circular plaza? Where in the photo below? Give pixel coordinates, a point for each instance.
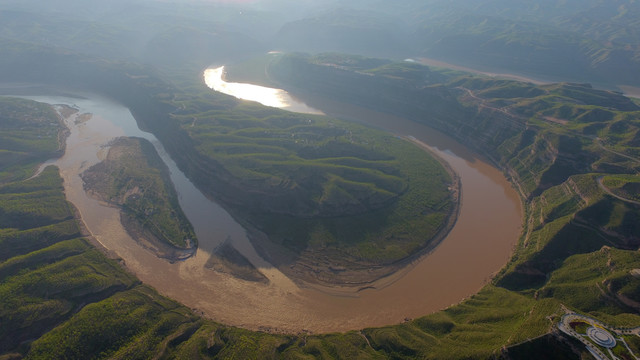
(601, 337)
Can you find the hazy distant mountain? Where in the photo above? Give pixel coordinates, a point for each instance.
(592, 40)
(181, 46)
(345, 30)
(143, 31)
(575, 40)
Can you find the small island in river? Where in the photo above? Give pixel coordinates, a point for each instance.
(134, 178)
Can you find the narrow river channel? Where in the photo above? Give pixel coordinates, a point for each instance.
(478, 246)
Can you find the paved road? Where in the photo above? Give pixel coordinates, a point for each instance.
(606, 189)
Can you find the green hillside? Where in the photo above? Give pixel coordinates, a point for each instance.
(30, 133)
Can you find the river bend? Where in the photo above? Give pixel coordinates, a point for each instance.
(479, 245)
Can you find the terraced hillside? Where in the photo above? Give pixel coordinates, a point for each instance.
(31, 134)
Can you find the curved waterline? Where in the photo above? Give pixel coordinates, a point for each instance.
(480, 243)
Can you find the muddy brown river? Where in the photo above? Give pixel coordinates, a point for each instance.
(478, 246)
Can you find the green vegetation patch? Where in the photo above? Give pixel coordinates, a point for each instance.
(379, 236)
(213, 341)
(547, 347)
(46, 271)
(34, 203)
(34, 214)
(483, 323)
(576, 217)
(134, 177)
(311, 182)
(634, 342)
(297, 165)
(15, 242)
(592, 282)
(625, 186)
(134, 324)
(580, 327)
(30, 133)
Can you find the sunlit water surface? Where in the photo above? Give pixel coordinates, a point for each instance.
(214, 78)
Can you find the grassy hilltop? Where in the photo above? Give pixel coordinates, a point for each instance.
(319, 187)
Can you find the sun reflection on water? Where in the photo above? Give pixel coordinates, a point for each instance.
(264, 95)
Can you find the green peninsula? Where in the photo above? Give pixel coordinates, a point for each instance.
(339, 203)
